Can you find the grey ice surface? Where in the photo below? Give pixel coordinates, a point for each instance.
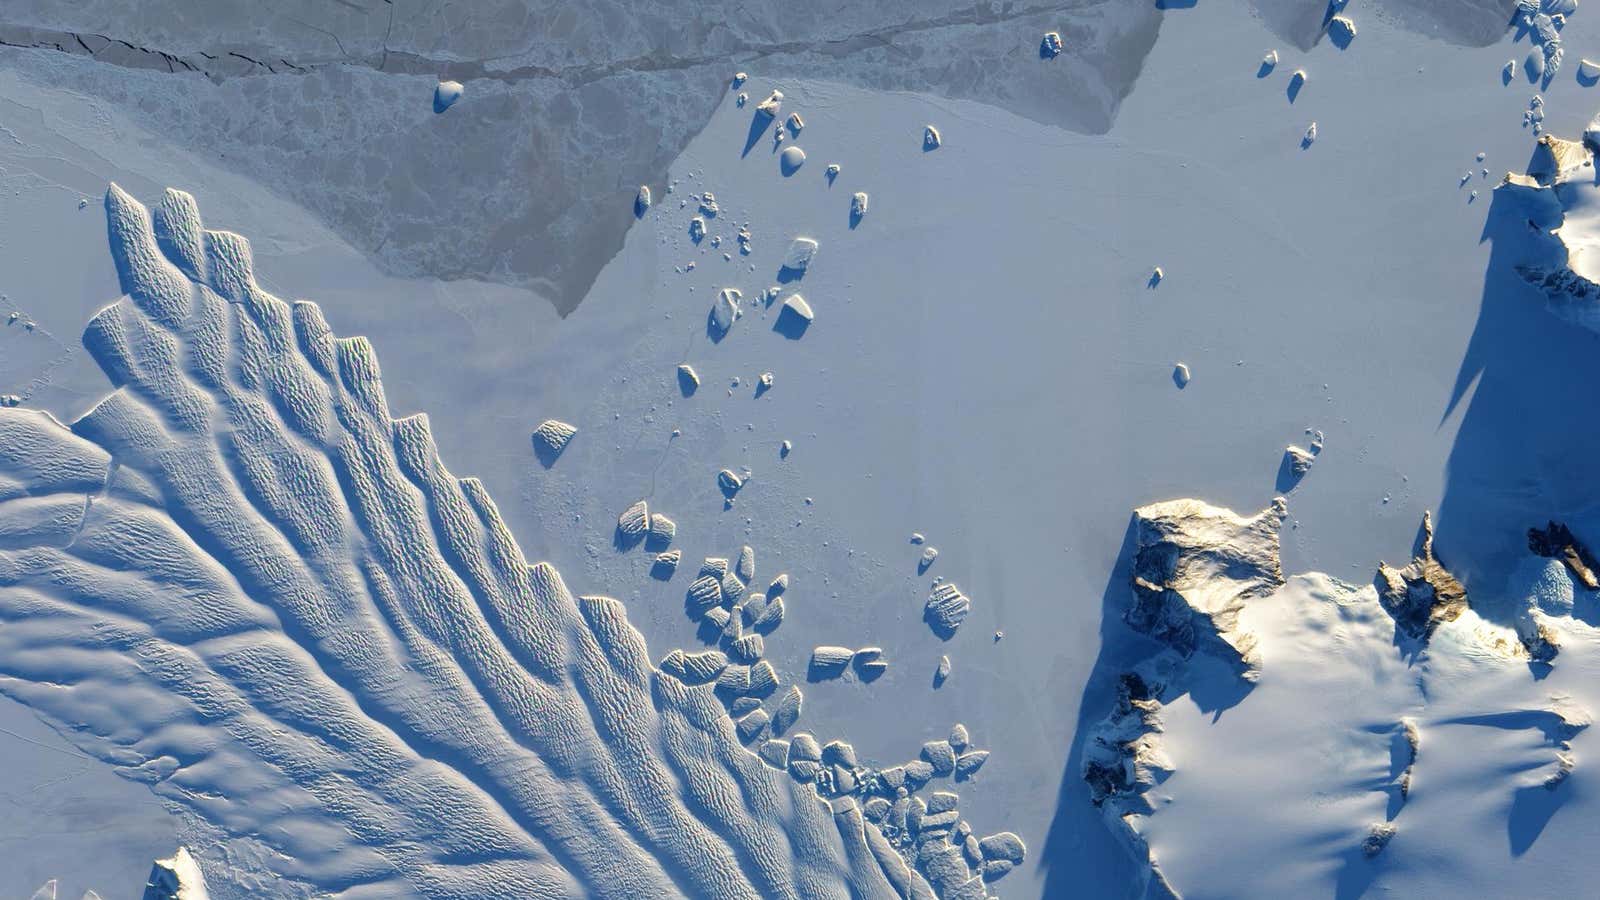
(568, 107)
(69, 817)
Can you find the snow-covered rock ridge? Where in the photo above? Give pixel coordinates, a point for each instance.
(176, 878)
(1422, 594)
(1559, 191)
(1335, 695)
(1194, 568)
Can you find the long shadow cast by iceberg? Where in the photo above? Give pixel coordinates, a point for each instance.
(791, 324)
(759, 122)
(1522, 453)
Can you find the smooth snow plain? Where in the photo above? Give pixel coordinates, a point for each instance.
(988, 367)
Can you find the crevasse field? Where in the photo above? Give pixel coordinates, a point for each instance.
(531, 450)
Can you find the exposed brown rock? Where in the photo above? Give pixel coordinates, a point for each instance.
(1558, 542)
(1421, 595)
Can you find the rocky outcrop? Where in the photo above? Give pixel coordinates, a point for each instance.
(1123, 758)
(1194, 567)
(1421, 595)
(1558, 542)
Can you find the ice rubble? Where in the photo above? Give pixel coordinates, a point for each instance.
(924, 834)
(1542, 20)
(292, 594)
